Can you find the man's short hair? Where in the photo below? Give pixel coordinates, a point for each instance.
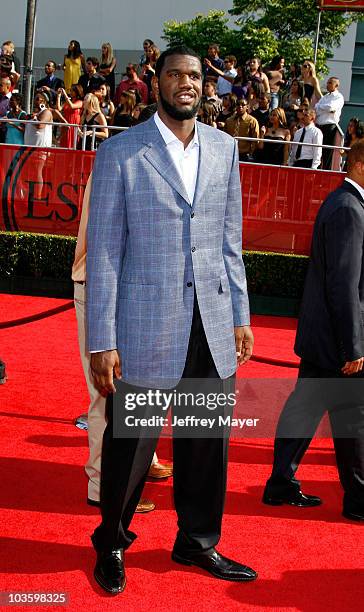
(355, 155)
(52, 62)
(133, 66)
(177, 50)
(94, 61)
(95, 82)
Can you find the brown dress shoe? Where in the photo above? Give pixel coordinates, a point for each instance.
(145, 505)
(160, 470)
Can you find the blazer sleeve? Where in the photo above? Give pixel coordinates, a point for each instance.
(232, 246)
(344, 235)
(106, 236)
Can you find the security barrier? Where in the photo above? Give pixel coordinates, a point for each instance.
(42, 191)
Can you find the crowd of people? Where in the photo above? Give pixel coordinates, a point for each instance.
(165, 300)
(272, 105)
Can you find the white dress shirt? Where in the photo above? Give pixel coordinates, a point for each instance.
(328, 108)
(185, 160)
(358, 187)
(313, 135)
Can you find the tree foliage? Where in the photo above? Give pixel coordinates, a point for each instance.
(199, 32)
(264, 28)
(202, 30)
(291, 20)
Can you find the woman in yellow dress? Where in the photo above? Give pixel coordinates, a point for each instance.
(74, 64)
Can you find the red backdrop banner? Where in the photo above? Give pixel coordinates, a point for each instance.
(280, 205)
(341, 5)
(42, 191)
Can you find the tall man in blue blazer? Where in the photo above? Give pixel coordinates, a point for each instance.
(166, 301)
(330, 342)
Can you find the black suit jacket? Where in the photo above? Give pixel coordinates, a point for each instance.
(56, 83)
(330, 327)
(84, 81)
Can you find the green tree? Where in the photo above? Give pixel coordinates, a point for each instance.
(202, 30)
(199, 32)
(265, 28)
(293, 20)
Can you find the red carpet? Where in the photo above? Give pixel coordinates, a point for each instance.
(308, 560)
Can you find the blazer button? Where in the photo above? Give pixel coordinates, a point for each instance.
(193, 249)
(192, 215)
(189, 284)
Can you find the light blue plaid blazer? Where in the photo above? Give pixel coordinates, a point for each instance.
(146, 244)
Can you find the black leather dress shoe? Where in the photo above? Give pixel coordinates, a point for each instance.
(109, 571)
(93, 502)
(355, 515)
(214, 563)
(293, 498)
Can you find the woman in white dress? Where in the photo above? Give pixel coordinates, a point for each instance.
(38, 133)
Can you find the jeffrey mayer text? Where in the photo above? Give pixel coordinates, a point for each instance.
(190, 421)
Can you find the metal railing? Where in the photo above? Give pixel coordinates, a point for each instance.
(77, 129)
(80, 132)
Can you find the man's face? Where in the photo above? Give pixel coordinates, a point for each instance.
(4, 87)
(90, 67)
(228, 65)
(254, 64)
(212, 52)
(179, 87)
(209, 90)
(49, 68)
(241, 109)
(263, 103)
(332, 84)
(307, 118)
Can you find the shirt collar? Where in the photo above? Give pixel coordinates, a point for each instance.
(168, 135)
(358, 187)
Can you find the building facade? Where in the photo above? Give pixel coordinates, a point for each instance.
(126, 24)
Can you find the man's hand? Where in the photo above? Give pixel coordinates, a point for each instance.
(244, 342)
(352, 367)
(104, 366)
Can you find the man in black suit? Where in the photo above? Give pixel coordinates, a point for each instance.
(330, 342)
(86, 80)
(50, 83)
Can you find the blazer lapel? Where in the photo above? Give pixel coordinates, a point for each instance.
(157, 155)
(349, 187)
(206, 163)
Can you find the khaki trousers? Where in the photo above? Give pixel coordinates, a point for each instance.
(96, 411)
